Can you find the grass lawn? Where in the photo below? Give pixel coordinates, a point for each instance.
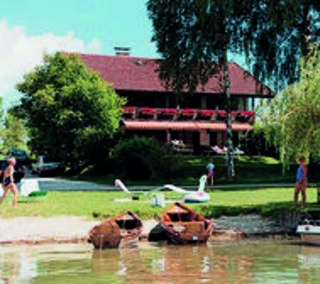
(249, 169)
(102, 203)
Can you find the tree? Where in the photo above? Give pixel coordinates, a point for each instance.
(14, 134)
(146, 154)
(195, 36)
(64, 105)
(292, 120)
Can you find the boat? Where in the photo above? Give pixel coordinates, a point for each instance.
(181, 225)
(309, 227)
(119, 231)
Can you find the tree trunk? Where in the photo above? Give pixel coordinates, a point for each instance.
(230, 157)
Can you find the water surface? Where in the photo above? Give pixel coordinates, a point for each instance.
(216, 262)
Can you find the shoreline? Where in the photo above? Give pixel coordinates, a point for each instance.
(221, 236)
(73, 230)
(40, 230)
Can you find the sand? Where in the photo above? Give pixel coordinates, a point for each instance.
(44, 230)
(61, 229)
(71, 229)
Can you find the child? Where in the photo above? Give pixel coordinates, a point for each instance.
(301, 181)
(7, 182)
(210, 168)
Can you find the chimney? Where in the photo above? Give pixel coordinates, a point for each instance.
(122, 51)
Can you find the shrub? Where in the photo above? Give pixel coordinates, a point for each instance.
(141, 158)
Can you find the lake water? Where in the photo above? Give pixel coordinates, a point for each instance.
(216, 262)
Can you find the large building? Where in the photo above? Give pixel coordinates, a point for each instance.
(152, 110)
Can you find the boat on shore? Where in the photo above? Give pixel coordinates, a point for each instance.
(181, 225)
(309, 228)
(122, 230)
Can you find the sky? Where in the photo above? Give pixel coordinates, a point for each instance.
(31, 28)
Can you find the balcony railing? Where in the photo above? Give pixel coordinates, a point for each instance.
(146, 113)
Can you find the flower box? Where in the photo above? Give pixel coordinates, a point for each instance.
(128, 112)
(250, 116)
(245, 116)
(241, 116)
(241, 113)
(189, 112)
(206, 112)
(129, 109)
(222, 114)
(249, 113)
(168, 111)
(147, 113)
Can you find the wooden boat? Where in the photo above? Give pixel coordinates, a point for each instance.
(181, 225)
(114, 232)
(309, 227)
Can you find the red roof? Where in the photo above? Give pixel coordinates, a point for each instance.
(140, 74)
(182, 125)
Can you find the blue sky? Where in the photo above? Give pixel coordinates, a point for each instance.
(108, 21)
(31, 28)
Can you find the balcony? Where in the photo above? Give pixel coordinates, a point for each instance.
(146, 113)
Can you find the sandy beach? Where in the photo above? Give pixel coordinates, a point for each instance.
(44, 230)
(72, 229)
(60, 229)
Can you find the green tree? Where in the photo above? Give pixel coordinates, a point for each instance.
(14, 134)
(194, 37)
(141, 158)
(64, 104)
(292, 119)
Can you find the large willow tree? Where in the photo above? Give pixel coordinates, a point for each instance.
(292, 120)
(195, 38)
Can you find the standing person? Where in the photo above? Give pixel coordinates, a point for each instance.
(8, 182)
(210, 168)
(301, 181)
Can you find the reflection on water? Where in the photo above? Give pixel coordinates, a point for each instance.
(240, 262)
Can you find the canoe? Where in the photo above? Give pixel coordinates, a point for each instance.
(119, 231)
(181, 225)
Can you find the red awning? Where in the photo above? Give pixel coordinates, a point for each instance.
(182, 125)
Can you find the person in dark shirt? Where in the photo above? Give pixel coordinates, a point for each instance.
(8, 182)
